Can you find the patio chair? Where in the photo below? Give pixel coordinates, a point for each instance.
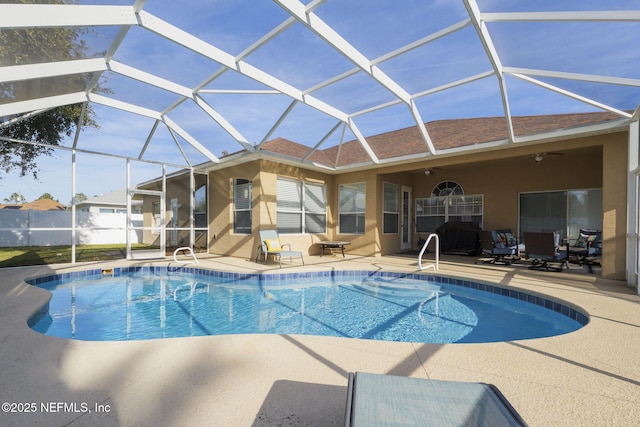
(498, 251)
(543, 249)
(270, 245)
(388, 400)
(586, 248)
(506, 237)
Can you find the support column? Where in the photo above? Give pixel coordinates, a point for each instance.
(633, 217)
(129, 223)
(73, 207)
(192, 202)
(615, 198)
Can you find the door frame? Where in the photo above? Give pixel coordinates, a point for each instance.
(405, 218)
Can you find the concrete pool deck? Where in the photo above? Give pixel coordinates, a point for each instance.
(587, 378)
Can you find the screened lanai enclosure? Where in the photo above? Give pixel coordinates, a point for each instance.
(167, 89)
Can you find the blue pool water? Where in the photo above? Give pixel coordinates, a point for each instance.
(140, 303)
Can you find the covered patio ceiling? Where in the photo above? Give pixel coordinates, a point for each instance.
(188, 82)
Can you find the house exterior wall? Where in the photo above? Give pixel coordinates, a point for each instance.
(600, 162)
(148, 219)
(391, 242)
(500, 176)
(179, 188)
(614, 208)
(222, 239)
(502, 181)
(369, 243)
(264, 175)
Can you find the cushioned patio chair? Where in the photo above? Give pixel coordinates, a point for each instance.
(544, 251)
(270, 245)
(388, 400)
(586, 248)
(497, 250)
(507, 238)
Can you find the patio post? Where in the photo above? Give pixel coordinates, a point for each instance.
(633, 215)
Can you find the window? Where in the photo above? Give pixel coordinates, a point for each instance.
(351, 209)
(390, 208)
(563, 211)
(447, 188)
(315, 208)
(200, 207)
(241, 206)
(432, 212)
(301, 207)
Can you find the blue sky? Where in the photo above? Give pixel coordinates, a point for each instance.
(303, 60)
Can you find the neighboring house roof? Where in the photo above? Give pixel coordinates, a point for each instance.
(116, 198)
(37, 205)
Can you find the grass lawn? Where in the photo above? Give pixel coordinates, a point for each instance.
(41, 255)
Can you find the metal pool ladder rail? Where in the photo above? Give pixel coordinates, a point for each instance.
(188, 249)
(424, 248)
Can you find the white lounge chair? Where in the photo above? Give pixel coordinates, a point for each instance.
(387, 400)
(270, 245)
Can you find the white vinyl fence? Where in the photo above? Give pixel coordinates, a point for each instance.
(53, 228)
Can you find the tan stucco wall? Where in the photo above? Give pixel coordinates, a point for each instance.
(178, 187)
(614, 208)
(221, 236)
(501, 181)
(500, 175)
(586, 163)
(263, 175)
(367, 244)
(149, 237)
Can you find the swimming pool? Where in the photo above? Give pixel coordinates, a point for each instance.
(137, 303)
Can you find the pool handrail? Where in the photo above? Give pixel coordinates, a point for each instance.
(424, 248)
(188, 249)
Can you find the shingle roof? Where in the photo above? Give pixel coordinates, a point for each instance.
(293, 149)
(116, 197)
(37, 205)
(445, 134)
(455, 133)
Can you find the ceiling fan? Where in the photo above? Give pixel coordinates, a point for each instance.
(538, 157)
(428, 171)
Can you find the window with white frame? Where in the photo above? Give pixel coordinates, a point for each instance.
(200, 207)
(241, 206)
(351, 208)
(447, 188)
(301, 207)
(432, 212)
(390, 208)
(315, 208)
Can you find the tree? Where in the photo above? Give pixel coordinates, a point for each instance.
(15, 198)
(79, 198)
(32, 46)
(48, 196)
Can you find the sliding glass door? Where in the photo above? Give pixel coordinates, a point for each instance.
(563, 211)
